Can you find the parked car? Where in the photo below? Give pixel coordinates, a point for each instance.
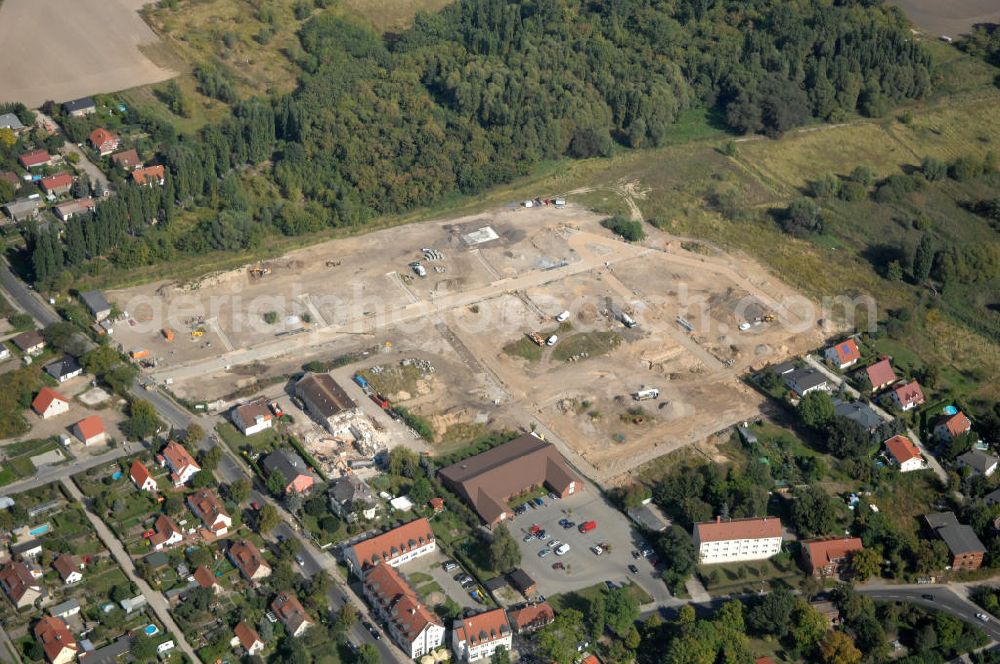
(611, 584)
(542, 536)
(983, 617)
(527, 538)
(554, 544)
(569, 524)
(467, 581)
(562, 550)
(458, 577)
(553, 496)
(597, 550)
(371, 629)
(539, 502)
(558, 566)
(449, 565)
(544, 552)
(633, 569)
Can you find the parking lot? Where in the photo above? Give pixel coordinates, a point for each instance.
(582, 567)
(430, 565)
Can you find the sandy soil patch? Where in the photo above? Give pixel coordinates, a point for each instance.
(953, 18)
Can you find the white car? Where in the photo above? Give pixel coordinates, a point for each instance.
(555, 544)
(562, 550)
(597, 550)
(563, 317)
(552, 341)
(983, 617)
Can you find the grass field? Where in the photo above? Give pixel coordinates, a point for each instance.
(392, 15)
(586, 344)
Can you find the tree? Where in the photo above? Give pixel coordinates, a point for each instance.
(808, 626)
(403, 462)
(933, 169)
(346, 617)
(500, 656)
(923, 259)
(622, 611)
(813, 512)
(596, 615)
(802, 217)
(368, 654)
(557, 641)
(679, 555)
(143, 648)
(173, 505)
(816, 409)
(504, 552)
(267, 519)
(143, 421)
(277, 484)
(421, 491)
(194, 434)
(772, 615)
(866, 563)
(239, 490)
(838, 648)
(210, 457)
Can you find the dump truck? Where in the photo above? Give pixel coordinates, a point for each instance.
(138, 353)
(537, 338)
(168, 334)
(360, 380)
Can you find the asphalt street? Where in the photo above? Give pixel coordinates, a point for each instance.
(25, 298)
(937, 597)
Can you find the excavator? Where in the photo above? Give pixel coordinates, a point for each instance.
(258, 271)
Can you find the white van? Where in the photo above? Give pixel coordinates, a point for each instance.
(563, 317)
(552, 341)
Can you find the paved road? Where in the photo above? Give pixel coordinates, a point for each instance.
(63, 471)
(26, 299)
(937, 597)
(156, 600)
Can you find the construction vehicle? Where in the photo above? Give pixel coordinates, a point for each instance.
(168, 334)
(138, 353)
(332, 263)
(628, 321)
(200, 332)
(537, 338)
(646, 394)
(258, 271)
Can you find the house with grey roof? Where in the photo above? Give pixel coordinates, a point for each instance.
(347, 494)
(980, 463)
(64, 610)
(965, 547)
(80, 107)
(22, 209)
(860, 412)
(12, 122)
(805, 380)
(97, 304)
(292, 468)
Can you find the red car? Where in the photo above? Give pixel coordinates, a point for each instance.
(276, 409)
(255, 505)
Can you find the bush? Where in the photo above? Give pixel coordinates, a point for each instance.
(629, 229)
(802, 217)
(933, 169)
(271, 317)
(965, 168)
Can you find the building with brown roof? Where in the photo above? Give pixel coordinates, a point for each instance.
(150, 175)
(908, 396)
(488, 480)
(247, 558)
(531, 617)
(207, 507)
(290, 612)
(738, 539)
(56, 185)
(251, 418)
(476, 637)
(69, 209)
(30, 342)
(395, 547)
(953, 427)
(828, 556)
(246, 637)
(20, 586)
(90, 430)
(127, 159)
(326, 401)
(182, 465)
(57, 641)
(141, 477)
(35, 158)
(414, 627)
(49, 403)
(880, 375)
(104, 141)
(844, 354)
(165, 533)
(903, 453)
(70, 568)
(205, 579)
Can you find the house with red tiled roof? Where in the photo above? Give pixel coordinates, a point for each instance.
(165, 533)
(49, 403)
(737, 540)
(141, 477)
(35, 158)
(437, 504)
(952, 427)
(415, 628)
(57, 641)
(70, 568)
(477, 637)
(827, 556)
(395, 547)
(531, 617)
(247, 558)
(149, 175)
(207, 507)
(19, 584)
(880, 375)
(903, 453)
(104, 141)
(908, 395)
(246, 637)
(843, 355)
(291, 613)
(57, 185)
(182, 465)
(90, 430)
(205, 579)
(127, 159)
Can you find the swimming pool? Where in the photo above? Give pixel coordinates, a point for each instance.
(950, 410)
(151, 630)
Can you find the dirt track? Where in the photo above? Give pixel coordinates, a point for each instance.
(64, 49)
(951, 17)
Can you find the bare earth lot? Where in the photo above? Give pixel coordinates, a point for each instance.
(951, 17)
(63, 49)
(468, 319)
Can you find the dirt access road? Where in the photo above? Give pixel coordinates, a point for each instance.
(64, 49)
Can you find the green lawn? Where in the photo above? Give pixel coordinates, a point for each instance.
(584, 595)
(585, 345)
(260, 443)
(750, 576)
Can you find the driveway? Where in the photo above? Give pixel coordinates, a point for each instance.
(583, 567)
(431, 565)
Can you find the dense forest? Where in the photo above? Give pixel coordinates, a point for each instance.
(476, 94)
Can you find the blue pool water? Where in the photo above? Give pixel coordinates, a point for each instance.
(150, 630)
(40, 530)
(950, 410)
(117, 475)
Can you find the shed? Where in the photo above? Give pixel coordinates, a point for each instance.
(524, 583)
(98, 305)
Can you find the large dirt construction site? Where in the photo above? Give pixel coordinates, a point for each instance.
(491, 281)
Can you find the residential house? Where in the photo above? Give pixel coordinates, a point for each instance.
(805, 380)
(205, 579)
(113, 653)
(414, 627)
(904, 454)
(782, 368)
(349, 493)
(64, 610)
(30, 342)
(531, 617)
(394, 547)
(57, 641)
(980, 463)
(79, 107)
(737, 540)
(290, 612)
(880, 375)
(180, 462)
(828, 556)
(165, 533)
(207, 507)
(251, 418)
(860, 412)
(843, 355)
(12, 122)
(908, 396)
(141, 477)
(437, 504)
(127, 159)
(246, 637)
(27, 550)
(22, 209)
(522, 582)
(35, 159)
(478, 637)
(326, 401)
(292, 469)
(19, 584)
(69, 209)
(104, 141)
(951, 428)
(247, 558)
(96, 303)
(56, 185)
(70, 568)
(63, 369)
(150, 175)
(966, 550)
(49, 403)
(132, 604)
